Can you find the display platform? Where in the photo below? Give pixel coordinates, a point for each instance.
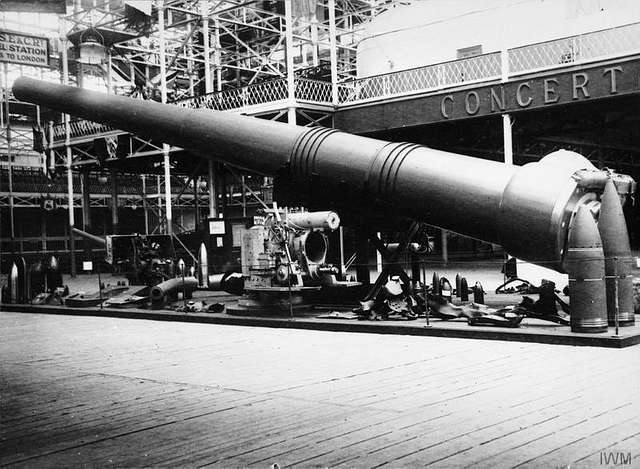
(341, 319)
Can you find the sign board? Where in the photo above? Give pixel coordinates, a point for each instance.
(39, 6)
(23, 49)
(216, 227)
(541, 90)
(87, 265)
(236, 235)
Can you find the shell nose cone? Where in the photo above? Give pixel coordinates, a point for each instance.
(202, 252)
(53, 263)
(584, 231)
(611, 223)
(585, 265)
(13, 273)
(203, 266)
(617, 253)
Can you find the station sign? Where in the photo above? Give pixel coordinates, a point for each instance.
(24, 49)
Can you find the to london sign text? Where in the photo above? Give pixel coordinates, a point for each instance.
(22, 49)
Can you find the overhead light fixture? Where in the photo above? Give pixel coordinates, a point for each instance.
(91, 47)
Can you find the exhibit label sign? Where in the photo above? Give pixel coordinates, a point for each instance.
(25, 50)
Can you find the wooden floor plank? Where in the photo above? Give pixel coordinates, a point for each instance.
(468, 428)
(600, 440)
(567, 433)
(99, 391)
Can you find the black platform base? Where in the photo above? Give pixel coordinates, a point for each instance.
(531, 330)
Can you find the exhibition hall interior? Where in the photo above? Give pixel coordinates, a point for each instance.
(319, 233)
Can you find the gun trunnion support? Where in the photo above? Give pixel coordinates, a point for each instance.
(529, 210)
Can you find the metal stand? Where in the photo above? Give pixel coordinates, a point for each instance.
(615, 295)
(391, 262)
(99, 283)
(424, 293)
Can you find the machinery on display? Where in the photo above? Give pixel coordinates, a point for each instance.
(284, 260)
(149, 260)
(560, 212)
(142, 259)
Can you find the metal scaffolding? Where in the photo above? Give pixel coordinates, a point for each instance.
(280, 60)
(276, 59)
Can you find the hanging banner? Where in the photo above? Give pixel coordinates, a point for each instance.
(39, 6)
(22, 49)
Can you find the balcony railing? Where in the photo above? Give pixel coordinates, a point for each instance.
(313, 91)
(307, 90)
(597, 45)
(582, 48)
(428, 78)
(587, 47)
(80, 128)
(238, 98)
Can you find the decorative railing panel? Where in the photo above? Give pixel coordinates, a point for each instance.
(80, 128)
(238, 98)
(427, 78)
(584, 47)
(314, 91)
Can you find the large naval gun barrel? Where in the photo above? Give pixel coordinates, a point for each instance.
(97, 240)
(527, 209)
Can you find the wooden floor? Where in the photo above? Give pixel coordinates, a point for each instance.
(123, 392)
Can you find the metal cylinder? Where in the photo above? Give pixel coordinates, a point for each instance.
(445, 289)
(618, 260)
(482, 199)
(309, 220)
(203, 266)
(478, 294)
(464, 290)
(311, 246)
(13, 283)
(585, 266)
(98, 240)
(171, 287)
(23, 279)
(231, 282)
(435, 284)
(215, 281)
(53, 276)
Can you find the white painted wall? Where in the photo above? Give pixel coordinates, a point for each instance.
(431, 31)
